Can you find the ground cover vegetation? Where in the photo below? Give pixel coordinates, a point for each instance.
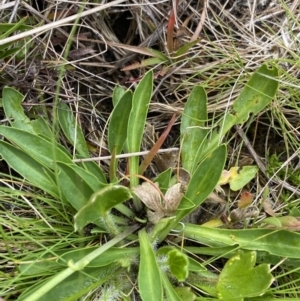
(149, 150)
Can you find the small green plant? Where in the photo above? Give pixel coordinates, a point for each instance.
(288, 173)
(133, 261)
(173, 54)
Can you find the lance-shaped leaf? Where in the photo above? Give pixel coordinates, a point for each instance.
(77, 184)
(255, 96)
(149, 277)
(192, 128)
(137, 120)
(37, 147)
(34, 172)
(277, 242)
(71, 129)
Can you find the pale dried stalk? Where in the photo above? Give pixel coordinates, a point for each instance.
(58, 23)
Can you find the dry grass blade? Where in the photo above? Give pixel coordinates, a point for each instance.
(55, 24)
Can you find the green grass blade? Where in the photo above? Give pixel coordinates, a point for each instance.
(112, 255)
(192, 132)
(7, 29)
(185, 48)
(149, 277)
(75, 286)
(57, 283)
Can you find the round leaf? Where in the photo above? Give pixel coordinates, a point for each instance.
(240, 278)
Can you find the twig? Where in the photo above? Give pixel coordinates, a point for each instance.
(172, 149)
(13, 14)
(201, 22)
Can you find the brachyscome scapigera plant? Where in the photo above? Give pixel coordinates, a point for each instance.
(136, 220)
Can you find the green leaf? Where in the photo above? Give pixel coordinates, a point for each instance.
(185, 48)
(277, 242)
(243, 177)
(40, 266)
(137, 120)
(100, 203)
(41, 128)
(206, 281)
(75, 286)
(71, 129)
(273, 221)
(14, 111)
(117, 128)
(8, 28)
(149, 277)
(94, 169)
(185, 293)
(162, 226)
(37, 147)
(88, 177)
(31, 170)
(163, 180)
(112, 255)
(193, 265)
(257, 93)
(286, 222)
(202, 183)
(65, 286)
(117, 94)
(192, 132)
(179, 264)
(158, 54)
(12, 100)
(205, 178)
(239, 278)
(76, 184)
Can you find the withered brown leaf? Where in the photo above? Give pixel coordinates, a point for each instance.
(157, 209)
(149, 195)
